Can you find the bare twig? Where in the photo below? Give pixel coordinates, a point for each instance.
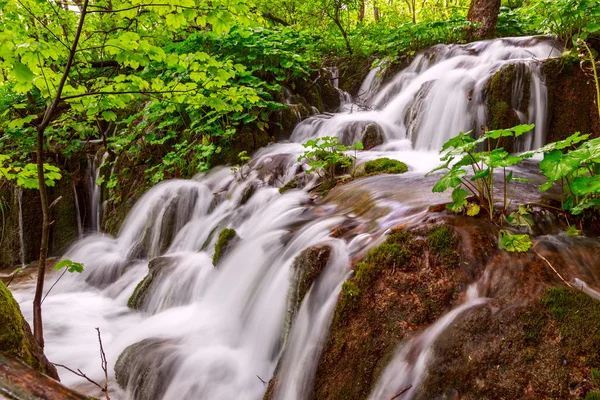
(54, 284)
(401, 392)
(553, 269)
(104, 365)
(262, 380)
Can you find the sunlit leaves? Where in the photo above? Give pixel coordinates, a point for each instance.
(71, 266)
(514, 242)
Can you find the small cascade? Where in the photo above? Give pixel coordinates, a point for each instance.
(408, 366)
(441, 93)
(94, 190)
(77, 211)
(19, 194)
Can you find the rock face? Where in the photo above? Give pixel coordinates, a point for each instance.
(402, 285)
(545, 348)
(529, 339)
(62, 233)
(571, 94)
(156, 268)
(372, 136)
(145, 368)
(307, 267)
(16, 338)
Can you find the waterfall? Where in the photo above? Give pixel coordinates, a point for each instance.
(409, 364)
(77, 211)
(95, 190)
(19, 194)
(441, 93)
(224, 326)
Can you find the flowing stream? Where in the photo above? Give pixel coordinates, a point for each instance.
(224, 327)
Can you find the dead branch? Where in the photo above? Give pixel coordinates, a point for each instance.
(553, 269)
(401, 392)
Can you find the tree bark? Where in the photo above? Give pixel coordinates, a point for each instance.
(485, 14)
(38, 329)
(361, 10)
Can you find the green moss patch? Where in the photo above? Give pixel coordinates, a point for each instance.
(226, 239)
(16, 338)
(385, 166)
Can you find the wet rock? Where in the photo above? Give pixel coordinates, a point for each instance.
(542, 349)
(16, 338)
(372, 136)
(156, 268)
(398, 288)
(292, 184)
(570, 94)
(145, 368)
(306, 268)
(227, 239)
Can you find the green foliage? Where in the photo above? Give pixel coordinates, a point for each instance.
(576, 169)
(461, 153)
(521, 217)
(568, 18)
(326, 154)
(514, 242)
(70, 266)
(25, 175)
(385, 166)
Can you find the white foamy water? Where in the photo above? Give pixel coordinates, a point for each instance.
(225, 327)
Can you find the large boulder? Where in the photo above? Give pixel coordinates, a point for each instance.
(156, 268)
(145, 368)
(16, 338)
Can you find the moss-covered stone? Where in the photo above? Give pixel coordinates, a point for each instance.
(545, 348)
(385, 166)
(146, 368)
(372, 136)
(16, 338)
(292, 184)
(400, 287)
(227, 239)
(156, 267)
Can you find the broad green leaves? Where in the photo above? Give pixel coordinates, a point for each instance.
(26, 175)
(514, 242)
(71, 266)
(326, 154)
(577, 171)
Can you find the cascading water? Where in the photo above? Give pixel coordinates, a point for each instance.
(77, 211)
(19, 194)
(224, 328)
(95, 190)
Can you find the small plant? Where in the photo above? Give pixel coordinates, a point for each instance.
(461, 154)
(69, 266)
(326, 154)
(238, 170)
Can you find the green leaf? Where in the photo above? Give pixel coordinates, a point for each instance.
(71, 266)
(514, 243)
(459, 201)
(473, 209)
(521, 217)
(451, 179)
(109, 116)
(573, 231)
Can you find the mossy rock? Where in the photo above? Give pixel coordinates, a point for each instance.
(292, 184)
(400, 286)
(16, 338)
(384, 166)
(543, 349)
(372, 136)
(146, 368)
(227, 239)
(156, 268)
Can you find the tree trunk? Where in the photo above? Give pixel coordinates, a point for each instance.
(375, 11)
(38, 329)
(485, 14)
(361, 11)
